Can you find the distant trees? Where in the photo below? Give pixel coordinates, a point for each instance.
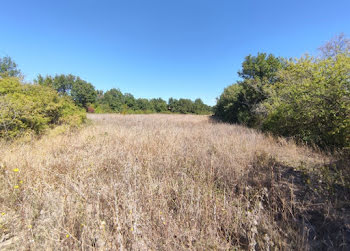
(84, 95)
(143, 104)
(115, 101)
(307, 98)
(188, 106)
(158, 105)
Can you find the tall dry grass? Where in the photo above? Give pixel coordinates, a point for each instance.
(160, 182)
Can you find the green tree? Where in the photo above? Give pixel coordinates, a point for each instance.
(158, 105)
(185, 106)
(261, 67)
(173, 105)
(63, 84)
(83, 93)
(8, 68)
(130, 101)
(239, 103)
(143, 104)
(114, 99)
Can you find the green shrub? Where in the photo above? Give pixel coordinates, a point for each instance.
(26, 108)
(311, 101)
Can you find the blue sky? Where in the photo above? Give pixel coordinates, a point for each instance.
(162, 48)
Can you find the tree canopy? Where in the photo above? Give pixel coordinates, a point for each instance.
(8, 68)
(82, 92)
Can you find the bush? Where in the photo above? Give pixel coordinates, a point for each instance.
(26, 108)
(307, 99)
(311, 102)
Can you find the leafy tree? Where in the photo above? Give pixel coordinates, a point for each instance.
(261, 67)
(143, 104)
(173, 105)
(185, 106)
(231, 106)
(199, 107)
(239, 102)
(8, 68)
(130, 101)
(114, 99)
(158, 105)
(63, 84)
(188, 106)
(83, 93)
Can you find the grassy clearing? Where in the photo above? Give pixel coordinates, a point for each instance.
(161, 182)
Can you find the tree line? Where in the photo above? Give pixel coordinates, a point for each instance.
(31, 108)
(305, 98)
(86, 96)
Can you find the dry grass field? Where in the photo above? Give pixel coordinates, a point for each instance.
(165, 182)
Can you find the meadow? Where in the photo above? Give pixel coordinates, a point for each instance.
(165, 182)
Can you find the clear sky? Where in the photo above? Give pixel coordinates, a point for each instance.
(162, 48)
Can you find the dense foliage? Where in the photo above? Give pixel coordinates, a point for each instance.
(114, 101)
(26, 108)
(82, 92)
(312, 101)
(306, 98)
(239, 102)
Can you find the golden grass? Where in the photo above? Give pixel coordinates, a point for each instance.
(154, 182)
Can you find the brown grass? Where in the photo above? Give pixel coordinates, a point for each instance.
(163, 182)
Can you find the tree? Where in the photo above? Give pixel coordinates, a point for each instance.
(185, 106)
(63, 84)
(173, 105)
(8, 68)
(143, 104)
(200, 108)
(239, 102)
(130, 101)
(83, 93)
(158, 105)
(261, 67)
(114, 99)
